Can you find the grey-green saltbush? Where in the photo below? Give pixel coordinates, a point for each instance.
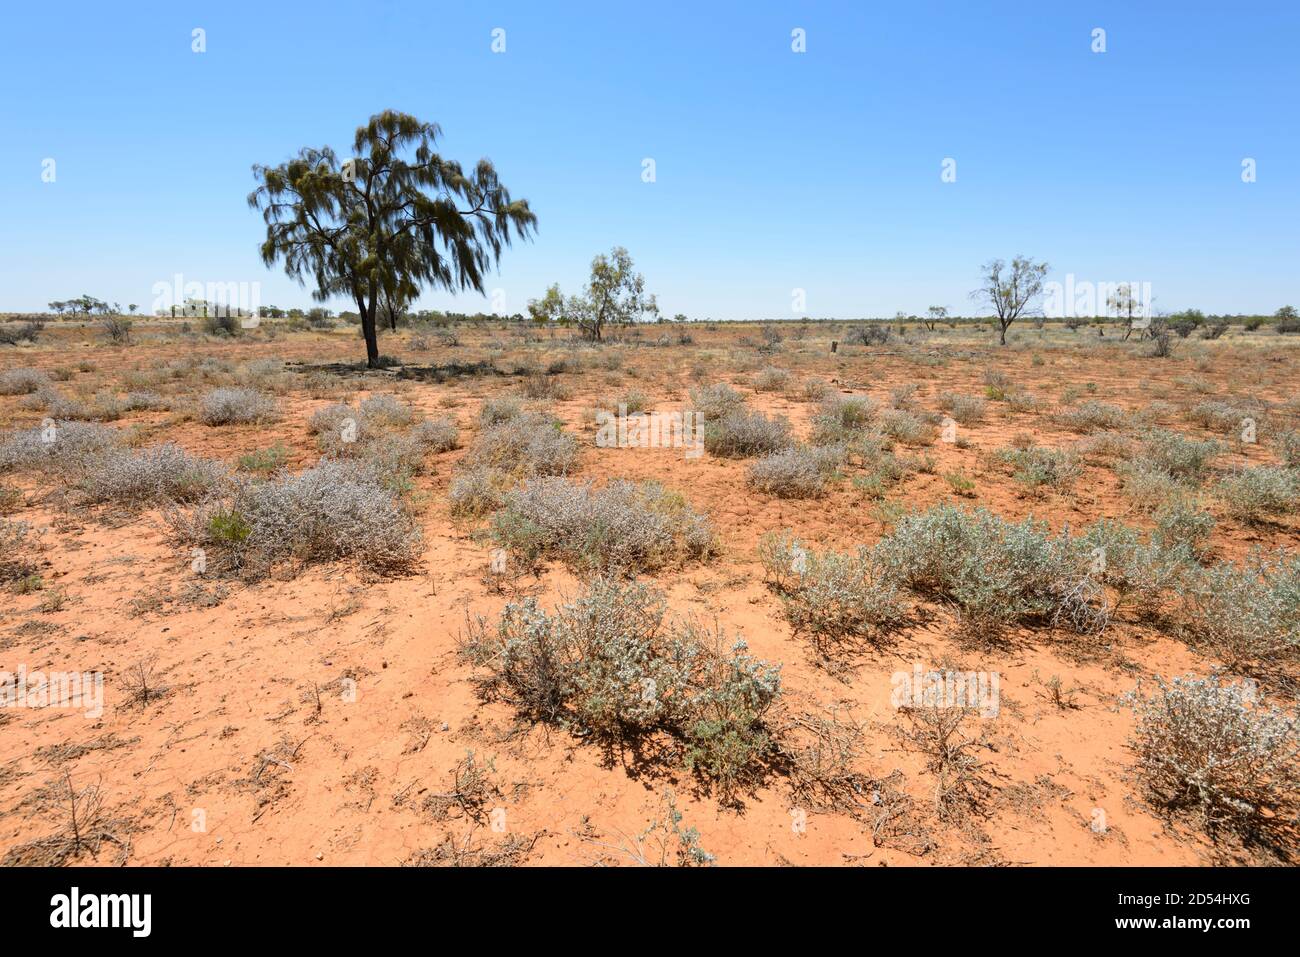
(713, 402)
(22, 381)
(235, 406)
(63, 449)
(608, 666)
(335, 511)
(165, 473)
(1183, 458)
(529, 443)
(801, 472)
(1256, 494)
(1247, 614)
(829, 596)
(621, 528)
(994, 571)
(1210, 746)
(743, 433)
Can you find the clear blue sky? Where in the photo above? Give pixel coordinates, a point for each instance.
(775, 170)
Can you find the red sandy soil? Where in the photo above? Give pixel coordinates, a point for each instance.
(245, 665)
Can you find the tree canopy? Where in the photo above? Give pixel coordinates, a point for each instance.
(387, 222)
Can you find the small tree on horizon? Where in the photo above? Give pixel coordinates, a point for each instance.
(1010, 292)
(394, 218)
(615, 295)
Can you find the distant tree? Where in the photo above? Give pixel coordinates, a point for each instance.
(393, 219)
(615, 295)
(132, 307)
(680, 317)
(935, 315)
(1286, 312)
(1122, 304)
(550, 308)
(116, 328)
(1010, 292)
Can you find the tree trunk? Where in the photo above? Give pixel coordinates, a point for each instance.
(1004, 332)
(371, 332)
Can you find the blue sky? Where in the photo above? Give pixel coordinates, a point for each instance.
(774, 170)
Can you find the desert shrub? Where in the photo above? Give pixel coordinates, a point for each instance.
(873, 335)
(841, 417)
(165, 473)
(883, 469)
(143, 401)
(16, 563)
(829, 596)
(1025, 402)
(1143, 573)
(1248, 614)
(335, 511)
(235, 406)
(1149, 487)
(221, 323)
(1102, 446)
(391, 458)
(1288, 448)
(622, 528)
(800, 472)
(65, 449)
(11, 498)
(330, 423)
(628, 403)
(994, 571)
(966, 409)
(1218, 416)
(606, 665)
(1183, 458)
(104, 408)
(117, 329)
(711, 403)
(742, 433)
(1182, 523)
(477, 491)
(906, 427)
(528, 443)
(437, 435)
(813, 389)
(22, 381)
(771, 379)
(903, 396)
(264, 461)
(13, 333)
(498, 409)
(1035, 466)
(1208, 746)
(1090, 417)
(537, 385)
(384, 411)
(1255, 494)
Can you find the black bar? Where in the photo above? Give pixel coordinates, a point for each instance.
(333, 906)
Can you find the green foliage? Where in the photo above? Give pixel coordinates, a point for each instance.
(393, 219)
